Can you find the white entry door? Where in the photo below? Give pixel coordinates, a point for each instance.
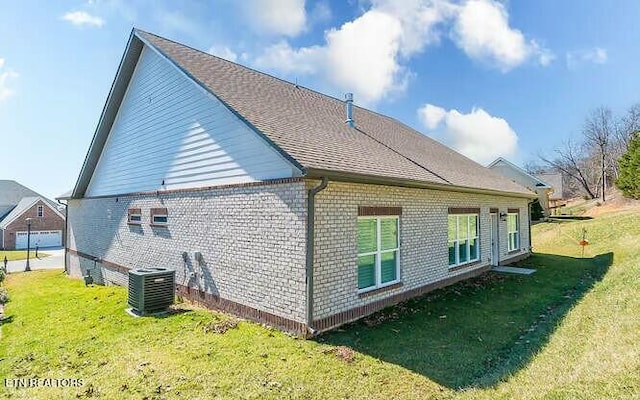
(495, 245)
(39, 238)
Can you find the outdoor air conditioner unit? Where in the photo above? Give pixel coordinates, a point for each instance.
(151, 289)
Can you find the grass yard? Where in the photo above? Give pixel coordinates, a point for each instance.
(570, 331)
(13, 255)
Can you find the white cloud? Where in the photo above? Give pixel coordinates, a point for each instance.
(360, 57)
(420, 20)
(177, 21)
(365, 56)
(5, 76)
(597, 55)
(284, 58)
(369, 55)
(545, 56)
(321, 12)
(431, 115)
(478, 135)
(223, 52)
(82, 18)
(280, 17)
(481, 29)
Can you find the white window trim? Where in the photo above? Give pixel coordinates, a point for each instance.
(137, 214)
(469, 237)
(159, 223)
(40, 211)
(378, 254)
(516, 232)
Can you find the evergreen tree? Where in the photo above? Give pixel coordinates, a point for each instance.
(629, 166)
(536, 211)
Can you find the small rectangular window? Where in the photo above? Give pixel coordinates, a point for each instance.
(40, 211)
(159, 217)
(135, 216)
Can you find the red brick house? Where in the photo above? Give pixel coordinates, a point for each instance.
(17, 203)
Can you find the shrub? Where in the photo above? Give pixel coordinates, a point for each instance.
(536, 211)
(2, 275)
(4, 295)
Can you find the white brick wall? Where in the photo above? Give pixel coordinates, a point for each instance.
(252, 240)
(423, 238)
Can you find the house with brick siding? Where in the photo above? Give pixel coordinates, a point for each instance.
(17, 203)
(275, 202)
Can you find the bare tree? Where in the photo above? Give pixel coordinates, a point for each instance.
(571, 161)
(598, 133)
(593, 161)
(533, 168)
(628, 125)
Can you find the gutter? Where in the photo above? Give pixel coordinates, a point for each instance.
(66, 233)
(390, 181)
(311, 248)
(530, 204)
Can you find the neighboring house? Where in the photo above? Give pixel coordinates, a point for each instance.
(17, 203)
(522, 177)
(268, 204)
(556, 195)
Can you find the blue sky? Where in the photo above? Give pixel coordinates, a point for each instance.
(488, 78)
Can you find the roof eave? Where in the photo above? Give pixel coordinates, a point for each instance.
(410, 183)
(518, 169)
(6, 222)
(119, 86)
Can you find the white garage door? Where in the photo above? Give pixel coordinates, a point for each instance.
(39, 238)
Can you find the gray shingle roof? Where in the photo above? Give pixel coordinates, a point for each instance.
(12, 195)
(11, 192)
(309, 127)
(23, 205)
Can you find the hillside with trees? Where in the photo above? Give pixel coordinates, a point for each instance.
(604, 154)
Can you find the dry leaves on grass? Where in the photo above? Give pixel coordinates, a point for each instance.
(392, 314)
(416, 305)
(176, 309)
(342, 352)
(220, 327)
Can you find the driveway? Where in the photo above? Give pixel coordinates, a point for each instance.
(54, 261)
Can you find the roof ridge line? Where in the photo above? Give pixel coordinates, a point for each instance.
(402, 155)
(517, 168)
(387, 117)
(297, 85)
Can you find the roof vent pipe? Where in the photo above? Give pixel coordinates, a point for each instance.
(348, 98)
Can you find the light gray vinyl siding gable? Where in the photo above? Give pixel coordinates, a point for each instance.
(171, 134)
(514, 175)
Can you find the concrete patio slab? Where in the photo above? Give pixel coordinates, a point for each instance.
(514, 270)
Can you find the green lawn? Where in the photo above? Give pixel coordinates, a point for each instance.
(13, 255)
(570, 331)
